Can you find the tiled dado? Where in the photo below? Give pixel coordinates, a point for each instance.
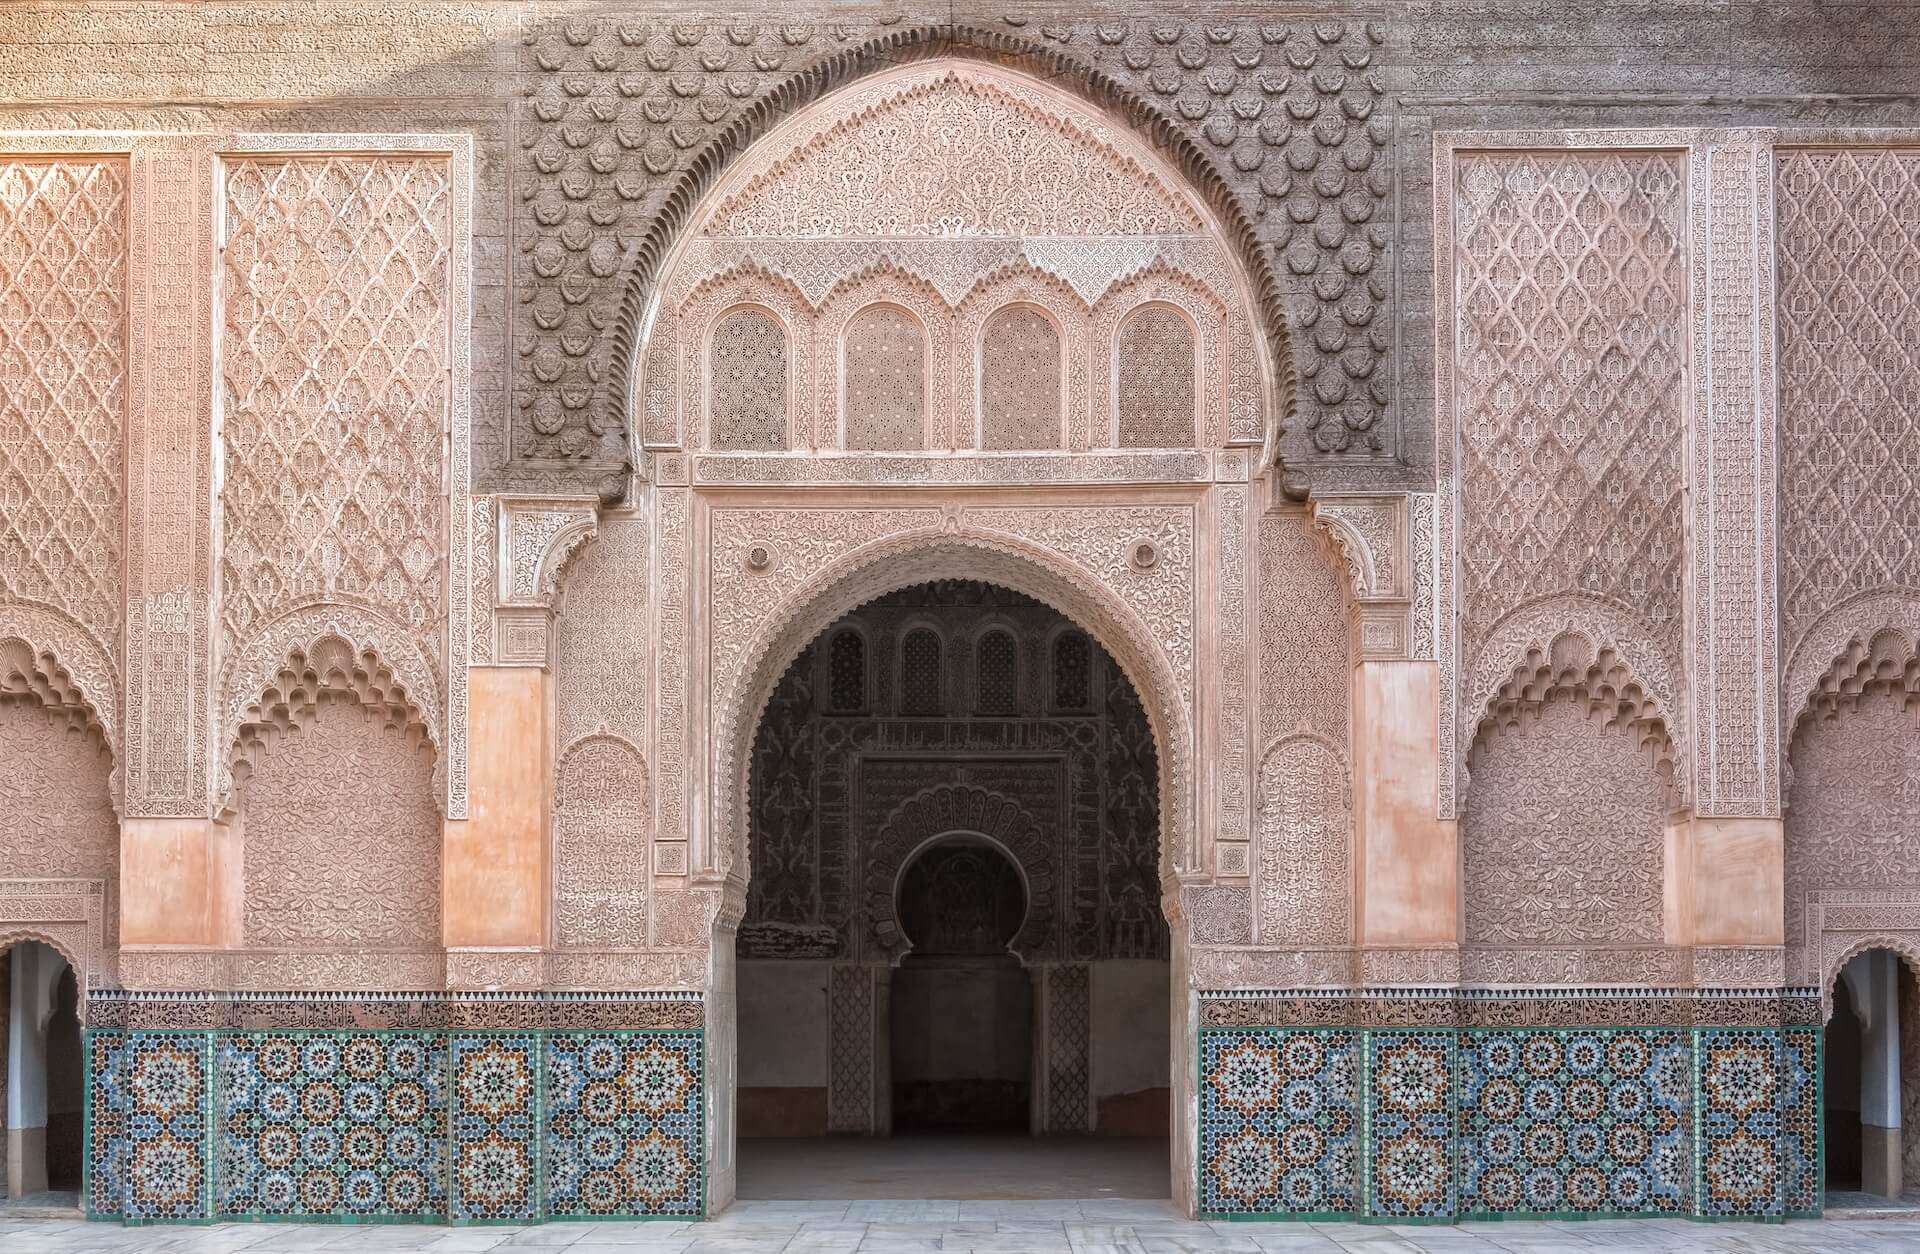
(1449, 1120)
(394, 1125)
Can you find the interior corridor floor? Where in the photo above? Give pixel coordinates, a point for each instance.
(941, 1168)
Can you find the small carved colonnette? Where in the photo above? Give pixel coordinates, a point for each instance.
(266, 1011)
(1581, 1008)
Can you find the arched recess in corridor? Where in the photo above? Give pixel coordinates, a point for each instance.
(1870, 1083)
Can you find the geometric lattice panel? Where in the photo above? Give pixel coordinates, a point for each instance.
(1575, 1123)
(1739, 1087)
(495, 1103)
(1409, 1132)
(1279, 1122)
(623, 1125)
(346, 1124)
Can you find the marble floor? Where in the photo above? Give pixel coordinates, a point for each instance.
(911, 1227)
(949, 1167)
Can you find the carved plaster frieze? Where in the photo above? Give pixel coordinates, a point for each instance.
(1220, 968)
(1372, 535)
(1838, 924)
(70, 915)
(496, 970)
(532, 541)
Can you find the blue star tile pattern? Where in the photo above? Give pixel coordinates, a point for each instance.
(147, 1126)
(332, 1124)
(1739, 1096)
(623, 1124)
(1409, 1141)
(1574, 1123)
(495, 1080)
(1800, 1120)
(1279, 1122)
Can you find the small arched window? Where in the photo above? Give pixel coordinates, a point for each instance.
(886, 380)
(996, 674)
(847, 672)
(747, 382)
(1072, 672)
(1153, 379)
(920, 672)
(1020, 380)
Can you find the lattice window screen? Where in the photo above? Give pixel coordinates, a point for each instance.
(920, 673)
(1154, 384)
(886, 380)
(996, 671)
(847, 673)
(1020, 380)
(1072, 671)
(747, 383)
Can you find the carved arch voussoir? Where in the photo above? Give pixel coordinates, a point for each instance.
(279, 679)
(1637, 676)
(1368, 533)
(543, 536)
(1904, 945)
(61, 663)
(1872, 643)
(679, 209)
(1572, 666)
(936, 811)
(918, 556)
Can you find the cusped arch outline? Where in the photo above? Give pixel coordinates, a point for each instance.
(318, 651)
(1842, 647)
(963, 41)
(1904, 945)
(66, 658)
(918, 556)
(79, 959)
(1521, 650)
(946, 809)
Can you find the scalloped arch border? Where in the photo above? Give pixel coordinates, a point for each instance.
(1824, 645)
(1905, 947)
(964, 41)
(89, 667)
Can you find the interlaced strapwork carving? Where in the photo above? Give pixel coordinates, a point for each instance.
(1303, 865)
(334, 365)
(884, 360)
(600, 842)
(342, 835)
(1563, 836)
(747, 382)
(1848, 241)
(1572, 298)
(848, 672)
(1303, 664)
(63, 306)
(1020, 380)
(602, 673)
(1154, 379)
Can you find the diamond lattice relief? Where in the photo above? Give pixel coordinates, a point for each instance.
(1849, 256)
(1572, 348)
(1153, 366)
(886, 380)
(62, 385)
(335, 371)
(747, 382)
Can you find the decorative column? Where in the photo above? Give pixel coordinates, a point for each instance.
(1878, 982)
(180, 870)
(1408, 881)
(1725, 882)
(496, 868)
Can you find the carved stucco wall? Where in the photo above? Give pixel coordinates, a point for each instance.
(1848, 240)
(60, 818)
(342, 852)
(336, 406)
(1007, 234)
(64, 297)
